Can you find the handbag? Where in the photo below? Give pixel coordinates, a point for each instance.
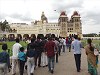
(96, 52)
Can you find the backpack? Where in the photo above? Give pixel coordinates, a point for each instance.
(31, 52)
(42, 43)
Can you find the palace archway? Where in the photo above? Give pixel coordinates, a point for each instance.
(11, 37)
(19, 36)
(33, 36)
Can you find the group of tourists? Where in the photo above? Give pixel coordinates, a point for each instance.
(43, 52)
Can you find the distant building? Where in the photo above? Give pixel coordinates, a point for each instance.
(65, 27)
(70, 26)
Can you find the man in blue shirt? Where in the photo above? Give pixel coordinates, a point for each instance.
(76, 47)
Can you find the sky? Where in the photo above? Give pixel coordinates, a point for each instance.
(26, 11)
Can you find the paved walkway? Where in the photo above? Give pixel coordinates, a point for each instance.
(66, 66)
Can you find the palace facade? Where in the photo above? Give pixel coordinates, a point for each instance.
(64, 27)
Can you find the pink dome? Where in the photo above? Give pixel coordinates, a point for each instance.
(75, 13)
(63, 13)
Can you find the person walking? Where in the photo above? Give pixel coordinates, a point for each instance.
(22, 60)
(64, 44)
(76, 47)
(57, 45)
(15, 50)
(50, 48)
(4, 60)
(69, 44)
(44, 61)
(91, 58)
(38, 52)
(31, 57)
(60, 46)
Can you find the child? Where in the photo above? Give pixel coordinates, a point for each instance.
(4, 60)
(22, 59)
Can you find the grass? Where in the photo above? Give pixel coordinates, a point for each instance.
(10, 44)
(95, 42)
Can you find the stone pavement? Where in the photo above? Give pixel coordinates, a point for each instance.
(66, 66)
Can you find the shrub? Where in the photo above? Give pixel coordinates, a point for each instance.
(1, 43)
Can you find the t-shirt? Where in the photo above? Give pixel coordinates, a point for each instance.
(76, 46)
(15, 49)
(4, 58)
(49, 48)
(22, 56)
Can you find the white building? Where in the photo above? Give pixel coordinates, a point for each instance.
(64, 27)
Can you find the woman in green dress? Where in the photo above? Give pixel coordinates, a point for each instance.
(91, 58)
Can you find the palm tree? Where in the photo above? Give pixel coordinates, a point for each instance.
(4, 26)
(8, 28)
(0, 26)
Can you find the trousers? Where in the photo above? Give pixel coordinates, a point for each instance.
(30, 65)
(3, 69)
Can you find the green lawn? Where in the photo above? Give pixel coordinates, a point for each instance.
(10, 44)
(95, 42)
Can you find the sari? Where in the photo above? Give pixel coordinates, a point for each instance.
(92, 61)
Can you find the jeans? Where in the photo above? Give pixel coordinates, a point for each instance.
(57, 57)
(63, 48)
(21, 66)
(59, 51)
(38, 57)
(69, 46)
(51, 61)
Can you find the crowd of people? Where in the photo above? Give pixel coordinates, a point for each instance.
(43, 52)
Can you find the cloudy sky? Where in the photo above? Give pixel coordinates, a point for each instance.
(29, 10)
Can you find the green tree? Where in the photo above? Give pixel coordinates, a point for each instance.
(0, 26)
(99, 34)
(4, 26)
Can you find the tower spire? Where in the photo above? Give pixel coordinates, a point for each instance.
(43, 17)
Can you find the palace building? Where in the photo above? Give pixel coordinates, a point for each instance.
(64, 27)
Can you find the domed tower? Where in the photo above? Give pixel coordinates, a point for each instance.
(44, 18)
(62, 22)
(77, 25)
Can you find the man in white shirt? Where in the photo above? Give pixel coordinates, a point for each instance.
(64, 44)
(15, 50)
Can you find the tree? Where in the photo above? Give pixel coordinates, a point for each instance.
(99, 34)
(4, 26)
(0, 26)
(90, 35)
